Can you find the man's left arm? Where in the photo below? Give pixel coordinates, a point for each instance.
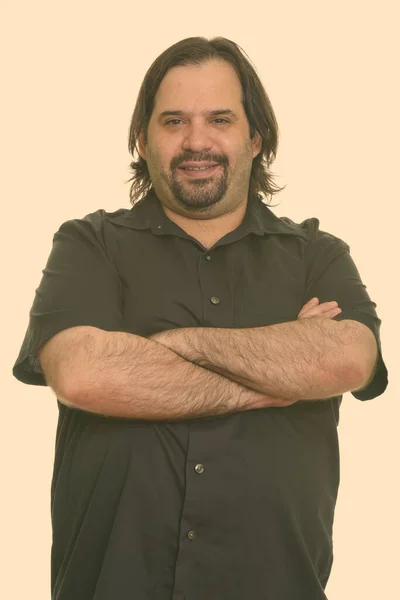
(304, 359)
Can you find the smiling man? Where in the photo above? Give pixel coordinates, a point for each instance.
(199, 347)
(200, 157)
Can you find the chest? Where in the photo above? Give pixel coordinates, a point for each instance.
(235, 286)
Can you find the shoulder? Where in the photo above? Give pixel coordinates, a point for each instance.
(97, 218)
(318, 239)
(94, 232)
(95, 223)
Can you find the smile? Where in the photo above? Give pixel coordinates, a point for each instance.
(198, 171)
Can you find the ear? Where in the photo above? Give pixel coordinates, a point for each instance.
(141, 145)
(257, 144)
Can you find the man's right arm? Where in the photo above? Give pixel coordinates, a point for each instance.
(120, 374)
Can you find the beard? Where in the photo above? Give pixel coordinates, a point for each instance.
(198, 194)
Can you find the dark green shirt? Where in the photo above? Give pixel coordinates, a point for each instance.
(236, 507)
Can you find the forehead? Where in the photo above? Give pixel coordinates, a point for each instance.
(191, 86)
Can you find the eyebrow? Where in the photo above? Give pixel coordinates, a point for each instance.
(211, 113)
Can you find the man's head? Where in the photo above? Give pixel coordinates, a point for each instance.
(202, 102)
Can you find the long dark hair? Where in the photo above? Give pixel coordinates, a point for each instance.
(257, 106)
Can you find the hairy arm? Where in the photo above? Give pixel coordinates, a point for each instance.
(119, 374)
(306, 359)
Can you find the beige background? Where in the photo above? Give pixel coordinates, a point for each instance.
(72, 71)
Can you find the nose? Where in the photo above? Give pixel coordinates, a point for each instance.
(197, 138)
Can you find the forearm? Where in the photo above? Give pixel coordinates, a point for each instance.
(125, 375)
(307, 359)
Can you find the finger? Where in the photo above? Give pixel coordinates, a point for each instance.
(311, 303)
(322, 308)
(330, 313)
(333, 312)
(314, 301)
(325, 314)
(319, 310)
(326, 306)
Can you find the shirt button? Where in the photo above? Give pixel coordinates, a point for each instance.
(191, 535)
(199, 468)
(208, 257)
(214, 300)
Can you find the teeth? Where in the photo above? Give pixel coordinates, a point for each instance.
(197, 168)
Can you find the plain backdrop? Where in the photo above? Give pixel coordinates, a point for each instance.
(71, 72)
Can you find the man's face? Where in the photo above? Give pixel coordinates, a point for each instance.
(196, 135)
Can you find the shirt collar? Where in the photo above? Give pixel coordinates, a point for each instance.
(148, 214)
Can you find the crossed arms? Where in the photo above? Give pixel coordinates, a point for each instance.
(194, 372)
(304, 359)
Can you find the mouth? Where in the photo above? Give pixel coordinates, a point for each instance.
(199, 172)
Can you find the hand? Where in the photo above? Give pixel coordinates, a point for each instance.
(326, 310)
(311, 309)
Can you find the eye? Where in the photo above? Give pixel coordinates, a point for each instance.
(173, 121)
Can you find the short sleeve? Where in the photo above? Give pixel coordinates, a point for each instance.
(333, 275)
(80, 286)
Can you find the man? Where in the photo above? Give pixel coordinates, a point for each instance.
(199, 347)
